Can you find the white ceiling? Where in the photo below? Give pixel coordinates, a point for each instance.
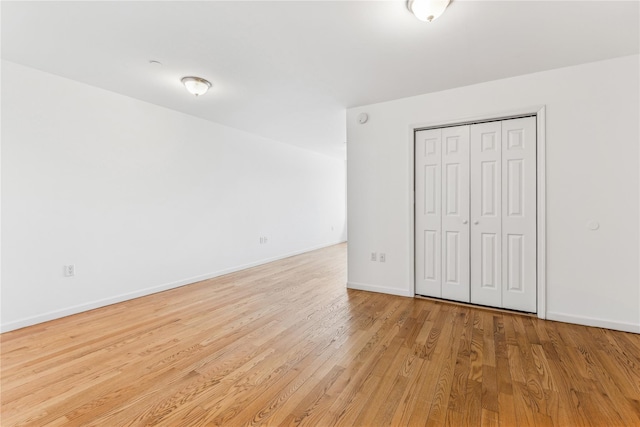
(287, 70)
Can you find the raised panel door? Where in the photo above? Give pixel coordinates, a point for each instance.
(519, 270)
(455, 213)
(476, 213)
(428, 212)
(486, 213)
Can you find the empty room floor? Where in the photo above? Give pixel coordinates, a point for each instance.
(286, 344)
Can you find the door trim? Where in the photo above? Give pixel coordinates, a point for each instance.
(539, 111)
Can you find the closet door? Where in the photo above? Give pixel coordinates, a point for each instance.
(455, 213)
(486, 214)
(519, 274)
(476, 213)
(428, 208)
(442, 213)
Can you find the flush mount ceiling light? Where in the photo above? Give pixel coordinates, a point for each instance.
(196, 85)
(427, 10)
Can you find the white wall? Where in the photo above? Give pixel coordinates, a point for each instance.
(592, 163)
(141, 198)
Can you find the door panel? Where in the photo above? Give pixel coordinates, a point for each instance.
(431, 262)
(486, 213)
(515, 262)
(489, 262)
(455, 217)
(428, 212)
(515, 189)
(452, 257)
(452, 188)
(519, 214)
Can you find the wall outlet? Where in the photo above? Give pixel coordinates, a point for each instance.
(383, 257)
(69, 270)
(374, 256)
(263, 240)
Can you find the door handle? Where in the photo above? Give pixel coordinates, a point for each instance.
(464, 221)
(476, 222)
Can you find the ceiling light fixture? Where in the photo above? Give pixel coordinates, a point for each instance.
(196, 85)
(427, 10)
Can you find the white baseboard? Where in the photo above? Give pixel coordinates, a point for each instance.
(68, 311)
(592, 321)
(379, 289)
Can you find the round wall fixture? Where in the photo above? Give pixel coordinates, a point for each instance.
(362, 118)
(593, 225)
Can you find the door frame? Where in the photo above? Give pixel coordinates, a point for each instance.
(541, 262)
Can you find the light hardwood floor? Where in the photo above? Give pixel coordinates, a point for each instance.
(287, 344)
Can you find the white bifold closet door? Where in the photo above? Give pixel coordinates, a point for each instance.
(519, 210)
(442, 213)
(476, 213)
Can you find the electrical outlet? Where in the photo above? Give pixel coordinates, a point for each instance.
(374, 257)
(383, 257)
(266, 240)
(69, 270)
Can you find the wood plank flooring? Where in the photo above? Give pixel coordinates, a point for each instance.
(286, 344)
